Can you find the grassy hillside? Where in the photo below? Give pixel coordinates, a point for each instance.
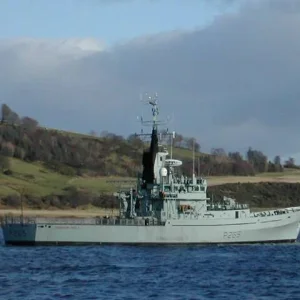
(37, 180)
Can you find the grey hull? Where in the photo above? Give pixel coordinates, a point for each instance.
(283, 230)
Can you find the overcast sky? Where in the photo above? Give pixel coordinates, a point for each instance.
(228, 71)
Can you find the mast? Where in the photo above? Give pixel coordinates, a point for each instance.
(171, 150)
(193, 176)
(149, 156)
(193, 157)
(152, 100)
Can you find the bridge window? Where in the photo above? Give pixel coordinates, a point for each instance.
(167, 188)
(236, 214)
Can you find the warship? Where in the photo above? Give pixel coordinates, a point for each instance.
(164, 206)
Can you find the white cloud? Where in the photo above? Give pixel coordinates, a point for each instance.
(233, 84)
(39, 51)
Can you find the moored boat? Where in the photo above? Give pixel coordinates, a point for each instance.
(164, 207)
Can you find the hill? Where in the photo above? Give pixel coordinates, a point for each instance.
(113, 155)
(48, 168)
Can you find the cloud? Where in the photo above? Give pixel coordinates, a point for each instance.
(232, 84)
(125, 1)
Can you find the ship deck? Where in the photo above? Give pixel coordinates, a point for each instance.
(7, 220)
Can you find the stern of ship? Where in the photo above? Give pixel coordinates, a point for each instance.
(18, 231)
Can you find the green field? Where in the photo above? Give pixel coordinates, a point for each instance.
(34, 179)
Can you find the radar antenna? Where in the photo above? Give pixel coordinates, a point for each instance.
(152, 100)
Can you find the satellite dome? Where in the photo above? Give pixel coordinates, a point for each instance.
(163, 172)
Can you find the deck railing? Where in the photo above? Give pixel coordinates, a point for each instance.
(271, 212)
(6, 220)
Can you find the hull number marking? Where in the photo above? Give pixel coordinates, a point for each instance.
(231, 234)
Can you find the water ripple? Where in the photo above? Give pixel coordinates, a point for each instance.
(108, 272)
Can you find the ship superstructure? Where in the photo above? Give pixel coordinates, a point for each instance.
(164, 207)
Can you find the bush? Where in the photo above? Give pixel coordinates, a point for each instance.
(105, 201)
(65, 170)
(12, 200)
(60, 168)
(4, 163)
(34, 202)
(29, 176)
(76, 197)
(8, 172)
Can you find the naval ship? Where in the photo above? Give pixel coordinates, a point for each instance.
(163, 207)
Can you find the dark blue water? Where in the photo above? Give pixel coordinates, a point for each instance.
(119, 272)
